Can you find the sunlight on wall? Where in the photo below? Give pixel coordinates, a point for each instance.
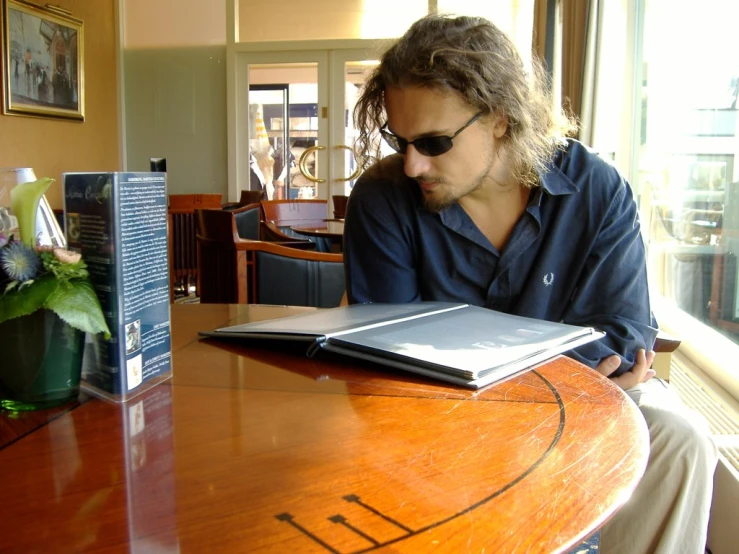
(326, 19)
(514, 17)
(172, 23)
(375, 20)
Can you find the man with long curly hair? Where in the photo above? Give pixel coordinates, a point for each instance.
(488, 202)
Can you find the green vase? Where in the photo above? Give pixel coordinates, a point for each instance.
(40, 362)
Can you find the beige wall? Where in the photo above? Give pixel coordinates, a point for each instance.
(172, 23)
(51, 146)
(175, 91)
(264, 20)
(176, 109)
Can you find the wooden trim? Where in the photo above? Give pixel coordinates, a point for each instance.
(247, 207)
(287, 251)
(270, 232)
(666, 342)
(244, 275)
(290, 211)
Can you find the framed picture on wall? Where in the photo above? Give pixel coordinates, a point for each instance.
(43, 62)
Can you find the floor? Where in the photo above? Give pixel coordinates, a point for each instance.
(588, 547)
(192, 299)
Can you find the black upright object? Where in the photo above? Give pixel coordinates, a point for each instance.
(158, 164)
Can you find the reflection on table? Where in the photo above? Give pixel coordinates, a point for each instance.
(329, 228)
(255, 447)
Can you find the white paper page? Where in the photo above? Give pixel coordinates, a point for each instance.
(338, 320)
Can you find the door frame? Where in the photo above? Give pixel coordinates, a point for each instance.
(330, 56)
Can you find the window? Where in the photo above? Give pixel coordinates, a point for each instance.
(681, 154)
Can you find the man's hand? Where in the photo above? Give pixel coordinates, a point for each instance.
(640, 373)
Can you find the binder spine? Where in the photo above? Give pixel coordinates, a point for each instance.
(316, 346)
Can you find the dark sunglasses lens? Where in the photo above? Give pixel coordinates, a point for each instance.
(394, 142)
(433, 146)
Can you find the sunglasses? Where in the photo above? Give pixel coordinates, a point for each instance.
(427, 146)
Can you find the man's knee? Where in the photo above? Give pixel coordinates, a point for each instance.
(680, 435)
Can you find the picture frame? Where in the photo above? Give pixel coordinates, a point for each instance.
(43, 62)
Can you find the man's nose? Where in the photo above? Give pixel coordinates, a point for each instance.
(415, 163)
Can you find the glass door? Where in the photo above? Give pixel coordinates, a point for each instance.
(348, 71)
(282, 116)
(270, 147)
(294, 119)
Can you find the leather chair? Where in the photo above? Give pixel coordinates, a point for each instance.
(339, 205)
(247, 197)
(248, 220)
(281, 215)
(234, 270)
(249, 226)
(296, 277)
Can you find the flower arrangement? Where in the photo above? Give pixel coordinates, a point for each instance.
(35, 277)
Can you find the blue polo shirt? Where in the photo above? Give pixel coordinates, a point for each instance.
(576, 254)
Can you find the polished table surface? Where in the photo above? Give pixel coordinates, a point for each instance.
(330, 228)
(259, 448)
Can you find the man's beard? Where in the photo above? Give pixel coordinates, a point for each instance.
(444, 196)
(439, 199)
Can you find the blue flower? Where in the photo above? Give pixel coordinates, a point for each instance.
(19, 261)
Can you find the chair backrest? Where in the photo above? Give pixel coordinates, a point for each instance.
(247, 221)
(285, 213)
(191, 202)
(233, 270)
(295, 277)
(247, 197)
(288, 212)
(339, 205)
(269, 232)
(272, 232)
(218, 260)
(251, 197)
(182, 248)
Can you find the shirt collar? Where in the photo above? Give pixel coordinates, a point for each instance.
(554, 181)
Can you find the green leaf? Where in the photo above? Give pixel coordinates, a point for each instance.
(76, 303)
(24, 200)
(19, 302)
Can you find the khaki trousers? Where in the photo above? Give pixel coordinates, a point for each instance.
(668, 512)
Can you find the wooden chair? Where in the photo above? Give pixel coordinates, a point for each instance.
(249, 226)
(182, 249)
(247, 197)
(339, 205)
(269, 232)
(295, 277)
(289, 212)
(281, 215)
(233, 270)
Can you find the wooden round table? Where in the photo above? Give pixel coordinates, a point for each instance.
(330, 229)
(258, 448)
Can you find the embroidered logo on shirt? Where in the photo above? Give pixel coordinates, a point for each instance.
(548, 279)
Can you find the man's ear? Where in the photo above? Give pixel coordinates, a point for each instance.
(500, 125)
